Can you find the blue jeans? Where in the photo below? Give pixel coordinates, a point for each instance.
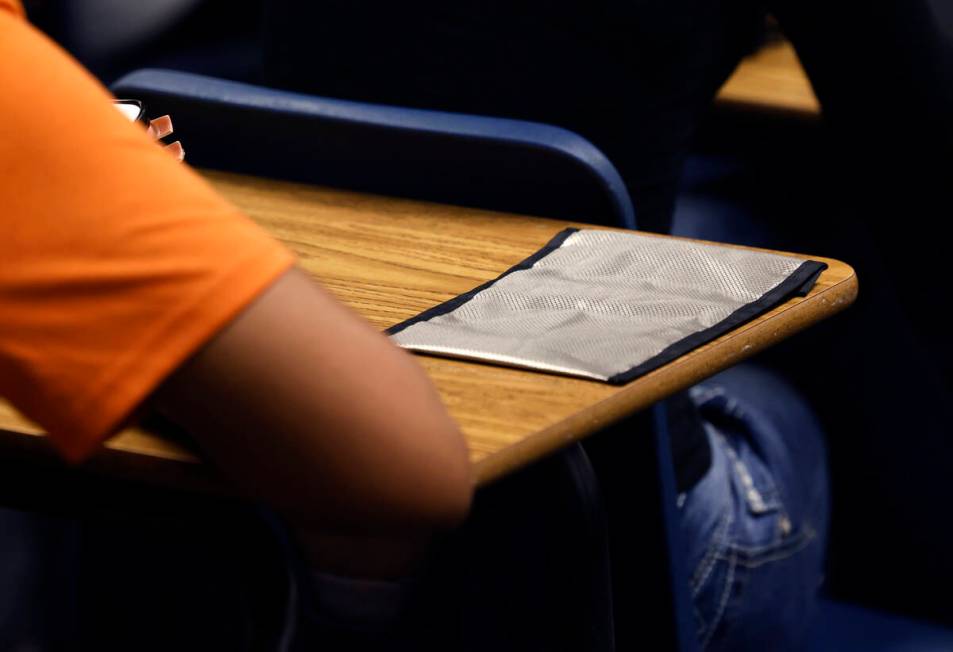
(755, 526)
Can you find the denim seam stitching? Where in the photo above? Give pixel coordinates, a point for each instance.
(719, 543)
(769, 500)
(788, 550)
(722, 602)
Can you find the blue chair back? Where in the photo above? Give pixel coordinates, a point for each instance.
(494, 163)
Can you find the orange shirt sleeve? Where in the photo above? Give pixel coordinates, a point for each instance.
(13, 6)
(116, 261)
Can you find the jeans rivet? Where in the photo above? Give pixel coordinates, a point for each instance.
(784, 524)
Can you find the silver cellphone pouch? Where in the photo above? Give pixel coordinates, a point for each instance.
(608, 305)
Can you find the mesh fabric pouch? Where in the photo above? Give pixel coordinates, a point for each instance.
(608, 305)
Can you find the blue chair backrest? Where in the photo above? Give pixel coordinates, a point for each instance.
(494, 163)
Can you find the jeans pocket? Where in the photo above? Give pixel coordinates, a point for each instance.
(764, 525)
(761, 564)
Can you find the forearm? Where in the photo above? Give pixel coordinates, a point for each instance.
(309, 409)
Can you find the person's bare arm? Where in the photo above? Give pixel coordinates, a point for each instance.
(312, 411)
(108, 283)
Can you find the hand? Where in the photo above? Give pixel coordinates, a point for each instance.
(162, 127)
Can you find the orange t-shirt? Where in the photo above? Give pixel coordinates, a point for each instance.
(12, 5)
(116, 262)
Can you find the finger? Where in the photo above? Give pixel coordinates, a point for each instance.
(176, 150)
(160, 127)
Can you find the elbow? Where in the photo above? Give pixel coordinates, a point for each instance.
(410, 480)
(434, 488)
(445, 484)
(415, 479)
(455, 498)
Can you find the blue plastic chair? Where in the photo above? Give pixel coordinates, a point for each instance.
(495, 163)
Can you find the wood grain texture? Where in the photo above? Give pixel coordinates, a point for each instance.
(771, 79)
(389, 259)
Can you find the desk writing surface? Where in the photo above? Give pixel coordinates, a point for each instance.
(390, 259)
(771, 79)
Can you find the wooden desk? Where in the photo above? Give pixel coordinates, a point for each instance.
(771, 79)
(389, 259)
